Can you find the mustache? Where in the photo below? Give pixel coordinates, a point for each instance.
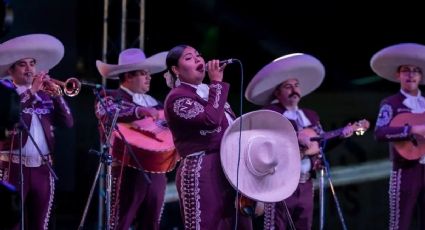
(294, 93)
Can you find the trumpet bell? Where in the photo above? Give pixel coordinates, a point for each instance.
(72, 87)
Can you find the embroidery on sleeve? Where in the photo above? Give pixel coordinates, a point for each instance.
(126, 108)
(217, 95)
(205, 132)
(187, 108)
(65, 105)
(385, 115)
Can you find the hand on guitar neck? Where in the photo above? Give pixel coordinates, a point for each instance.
(309, 139)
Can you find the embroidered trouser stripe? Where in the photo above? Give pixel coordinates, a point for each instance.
(190, 191)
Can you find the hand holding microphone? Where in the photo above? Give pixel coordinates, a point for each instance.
(215, 68)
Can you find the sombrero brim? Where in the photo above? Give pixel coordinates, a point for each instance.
(386, 62)
(308, 70)
(271, 188)
(153, 64)
(45, 49)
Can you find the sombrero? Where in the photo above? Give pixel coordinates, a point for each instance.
(269, 166)
(130, 60)
(45, 49)
(307, 69)
(386, 62)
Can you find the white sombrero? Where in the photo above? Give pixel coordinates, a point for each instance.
(386, 62)
(130, 60)
(45, 49)
(269, 168)
(307, 69)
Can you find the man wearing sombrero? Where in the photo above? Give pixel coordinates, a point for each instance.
(131, 192)
(279, 86)
(27, 59)
(403, 63)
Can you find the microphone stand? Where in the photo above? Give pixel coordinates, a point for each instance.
(106, 158)
(325, 171)
(21, 126)
(21, 181)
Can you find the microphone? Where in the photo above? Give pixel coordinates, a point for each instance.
(90, 84)
(318, 139)
(228, 61)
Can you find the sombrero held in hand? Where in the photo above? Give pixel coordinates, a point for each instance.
(386, 62)
(130, 60)
(269, 166)
(309, 71)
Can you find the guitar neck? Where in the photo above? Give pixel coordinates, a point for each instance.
(332, 134)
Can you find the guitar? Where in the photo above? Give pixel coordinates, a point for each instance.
(249, 207)
(413, 148)
(359, 128)
(151, 141)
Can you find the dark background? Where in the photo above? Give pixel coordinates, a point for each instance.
(343, 35)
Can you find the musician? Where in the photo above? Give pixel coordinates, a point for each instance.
(282, 84)
(198, 115)
(403, 63)
(26, 59)
(131, 192)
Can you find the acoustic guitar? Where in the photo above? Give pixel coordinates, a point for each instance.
(151, 141)
(359, 128)
(249, 207)
(414, 147)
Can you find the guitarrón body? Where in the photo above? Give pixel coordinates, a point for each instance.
(151, 141)
(410, 150)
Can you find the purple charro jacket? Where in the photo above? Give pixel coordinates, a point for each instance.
(52, 112)
(197, 124)
(389, 108)
(113, 99)
(315, 124)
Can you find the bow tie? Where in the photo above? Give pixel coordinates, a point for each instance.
(416, 104)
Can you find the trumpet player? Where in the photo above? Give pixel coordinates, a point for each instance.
(41, 110)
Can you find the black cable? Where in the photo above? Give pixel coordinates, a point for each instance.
(240, 137)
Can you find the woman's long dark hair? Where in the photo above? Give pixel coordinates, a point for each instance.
(173, 57)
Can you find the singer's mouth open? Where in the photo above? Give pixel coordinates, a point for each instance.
(200, 68)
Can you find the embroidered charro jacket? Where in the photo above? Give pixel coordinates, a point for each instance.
(312, 116)
(198, 124)
(113, 99)
(389, 108)
(52, 112)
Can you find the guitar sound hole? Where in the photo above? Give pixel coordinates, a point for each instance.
(163, 123)
(248, 211)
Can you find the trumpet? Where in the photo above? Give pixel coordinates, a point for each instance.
(71, 87)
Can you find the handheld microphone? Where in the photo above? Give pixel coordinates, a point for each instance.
(318, 139)
(90, 84)
(228, 61)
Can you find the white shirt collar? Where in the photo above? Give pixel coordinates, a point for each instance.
(202, 90)
(22, 88)
(297, 115)
(415, 103)
(141, 99)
